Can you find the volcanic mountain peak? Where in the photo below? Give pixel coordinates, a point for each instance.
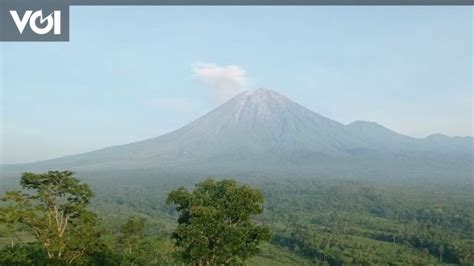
(260, 102)
(264, 132)
(260, 96)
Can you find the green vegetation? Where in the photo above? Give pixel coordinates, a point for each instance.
(351, 223)
(313, 221)
(215, 226)
(54, 209)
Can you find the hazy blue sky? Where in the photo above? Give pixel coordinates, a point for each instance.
(131, 73)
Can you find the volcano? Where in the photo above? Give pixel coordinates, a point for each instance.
(263, 133)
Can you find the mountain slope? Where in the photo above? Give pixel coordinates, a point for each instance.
(265, 133)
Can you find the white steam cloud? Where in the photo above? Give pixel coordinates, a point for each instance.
(225, 81)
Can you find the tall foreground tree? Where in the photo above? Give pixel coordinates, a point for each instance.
(215, 224)
(53, 206)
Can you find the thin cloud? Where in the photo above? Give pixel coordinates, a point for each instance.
(224, 81)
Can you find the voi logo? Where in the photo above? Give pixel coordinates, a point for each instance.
(53, 21)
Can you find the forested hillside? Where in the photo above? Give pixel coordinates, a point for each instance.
(312, 221)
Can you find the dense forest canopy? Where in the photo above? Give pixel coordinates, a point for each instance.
(312, 220)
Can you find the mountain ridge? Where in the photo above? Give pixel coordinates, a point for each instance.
(266, 132)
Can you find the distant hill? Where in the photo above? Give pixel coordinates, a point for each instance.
(262, 133)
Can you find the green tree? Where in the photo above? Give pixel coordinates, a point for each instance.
(215, 223)
(131, 234)
(53, 205)
(23, 254)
